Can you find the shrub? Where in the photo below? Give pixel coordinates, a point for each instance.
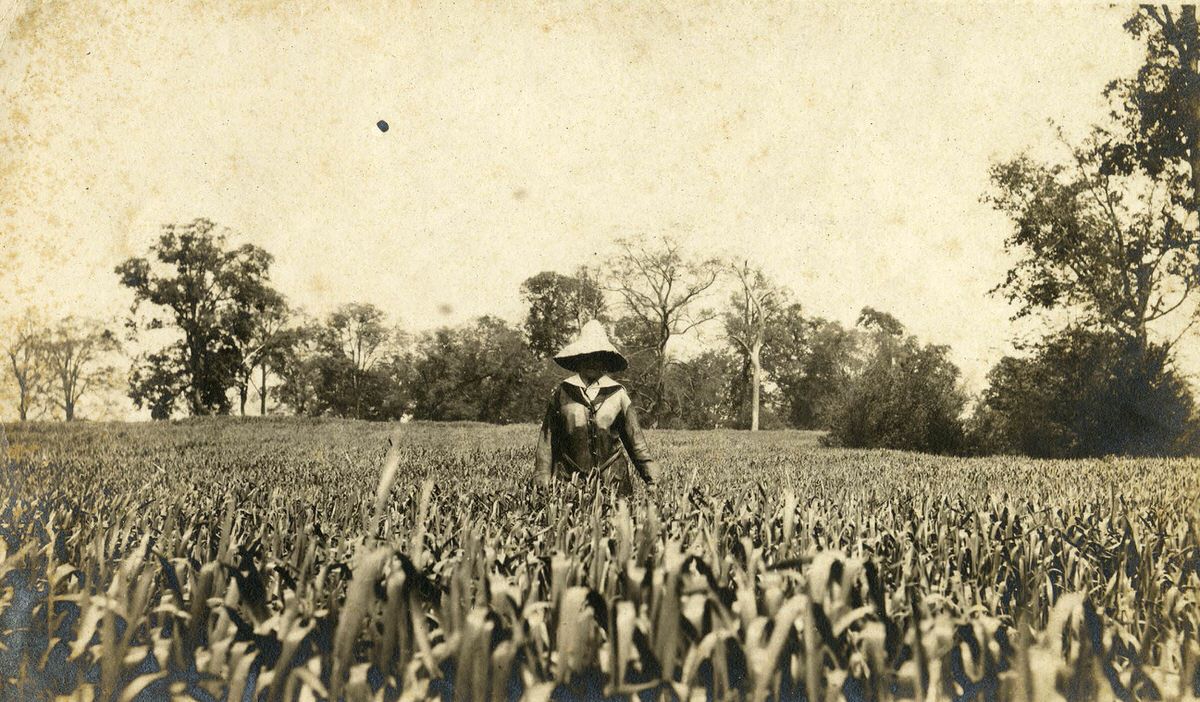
(905, 397)
(1087, 393)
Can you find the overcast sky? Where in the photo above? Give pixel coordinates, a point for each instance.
(843, 146)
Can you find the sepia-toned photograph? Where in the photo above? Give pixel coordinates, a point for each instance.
(640, 350)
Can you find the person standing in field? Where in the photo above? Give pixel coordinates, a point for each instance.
(590, 418)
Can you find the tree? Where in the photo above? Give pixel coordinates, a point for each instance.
(259, 326)
(559, 305)
(25, 349)
(201, 289)
(1086, 393)
(482, 372)
(882, 325)
(74, 352)
(755, 303)
(905, 397)
(1157, 111)
(158, 382)
(353, 340)
(1112, 249)
(358, 332)
(812, 361)
(295, 362)
(659, 290)
(706, 386)
(1110, 238)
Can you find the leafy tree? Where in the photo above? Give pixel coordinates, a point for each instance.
(634, 340)
(259, 327)
(74, 351)
(1109, 248)
(559, 305)
(483, 372)
(905, 397)
(703, 390)
(352, 344)
(197, 286)
(883, 325)
(812, 361)
(1087, 393)
(343, 391)
(295, 361)
(158, 382)
(1158, 110)
(660, 290)
(25, 349)
(1111, 239)
(753, 307)
(358, 332)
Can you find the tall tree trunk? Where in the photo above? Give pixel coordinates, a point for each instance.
(22, 388)
(262, 391)
(196, 406)
(755, 383)
(657, 391)
(194, 371)
(357, 395)
(22, 397)
(68, 406)
(660, 377)
(243, 392)
(1189, 39)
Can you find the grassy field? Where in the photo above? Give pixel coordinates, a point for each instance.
(303, 559)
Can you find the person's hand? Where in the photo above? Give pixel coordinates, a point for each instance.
(651, 488)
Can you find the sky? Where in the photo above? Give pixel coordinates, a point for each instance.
(844, 147)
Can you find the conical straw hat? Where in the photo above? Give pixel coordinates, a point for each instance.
(592, 340)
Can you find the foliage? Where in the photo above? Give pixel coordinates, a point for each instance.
(75, 351)
(342, 390)
(24, 348)
(1085, 393)
(559, 305)
(356, 365)
(258, 328)
(632, 336)
(1157, 111)
(357, 332)
(157, 382)
(660, 290)
(1108, 240)
(1110, 248)
(703, 391)
(295, 362)
(202, 290)
(755, 305)
(479, 372)
(273, 559)
(905, 397)
(811, 361)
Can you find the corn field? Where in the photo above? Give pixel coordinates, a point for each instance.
(302, 559)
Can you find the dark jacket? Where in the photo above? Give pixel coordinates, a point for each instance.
(585, 436)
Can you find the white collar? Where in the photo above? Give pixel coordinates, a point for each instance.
(603, 381)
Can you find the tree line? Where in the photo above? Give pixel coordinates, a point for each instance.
(229, 335)
(1105, 241)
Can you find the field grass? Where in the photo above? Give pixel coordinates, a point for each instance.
(303, 559)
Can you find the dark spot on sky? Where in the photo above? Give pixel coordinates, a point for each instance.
(382, 124)
(520, 194)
